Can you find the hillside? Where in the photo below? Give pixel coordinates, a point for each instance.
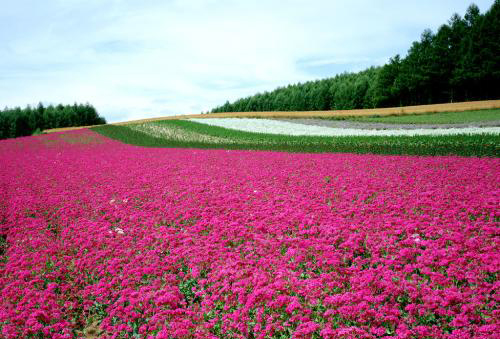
(472, 110)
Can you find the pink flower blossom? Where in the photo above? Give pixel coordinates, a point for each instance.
(185, 243)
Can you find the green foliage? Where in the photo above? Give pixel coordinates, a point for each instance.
(433, 118)
(460, 62)
(462, 144)
(37, 131)
(17, 122)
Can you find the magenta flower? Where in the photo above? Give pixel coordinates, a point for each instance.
(102, 239)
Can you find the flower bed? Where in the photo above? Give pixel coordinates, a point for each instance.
(290, 128)
(103, 239)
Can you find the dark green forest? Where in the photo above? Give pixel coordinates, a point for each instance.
(459, 62)
(17, 122)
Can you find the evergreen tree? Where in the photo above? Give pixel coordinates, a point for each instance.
(18, 122)
(460, 62)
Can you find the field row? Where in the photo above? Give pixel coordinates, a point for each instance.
(456, 117)
(186, 133)
(294, 128)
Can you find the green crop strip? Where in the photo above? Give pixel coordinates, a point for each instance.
(432, 118)
(188, 134)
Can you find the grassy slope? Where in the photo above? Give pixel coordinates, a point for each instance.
(343, 114)
(436, 118)
(466, 145)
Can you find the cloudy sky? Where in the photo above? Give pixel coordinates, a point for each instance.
(135, 59)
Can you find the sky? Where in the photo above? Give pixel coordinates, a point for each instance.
(139, 59)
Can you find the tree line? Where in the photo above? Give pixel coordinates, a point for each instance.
(17, 122)
(460, 62)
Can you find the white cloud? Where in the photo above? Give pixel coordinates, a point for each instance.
(135, 59)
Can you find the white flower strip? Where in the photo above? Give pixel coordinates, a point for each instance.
(289, 128)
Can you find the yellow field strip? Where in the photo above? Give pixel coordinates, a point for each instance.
(406, 110)
(52, 130)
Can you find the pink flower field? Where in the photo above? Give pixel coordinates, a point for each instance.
(101, 239)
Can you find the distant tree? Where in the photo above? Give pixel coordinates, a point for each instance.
(23, 122)
(461, 61)
(40, 123)
(387, 93)
(486, 46)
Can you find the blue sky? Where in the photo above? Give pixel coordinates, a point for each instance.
(138, 59)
